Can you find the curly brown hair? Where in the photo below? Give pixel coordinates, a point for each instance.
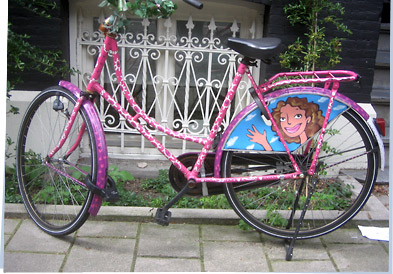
(312, 110)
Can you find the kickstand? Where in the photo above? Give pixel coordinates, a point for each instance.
(290, 244)
(163, 215)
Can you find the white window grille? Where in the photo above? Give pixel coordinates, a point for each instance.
(178, 69)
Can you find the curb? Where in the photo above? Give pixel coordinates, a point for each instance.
(145, 214)
(373, 213)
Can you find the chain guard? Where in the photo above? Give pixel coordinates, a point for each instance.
(178, 181)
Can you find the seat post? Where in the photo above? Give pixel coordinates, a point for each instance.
(249, 61)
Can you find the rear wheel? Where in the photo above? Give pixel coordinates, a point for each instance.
(51, 188)
(267, 206)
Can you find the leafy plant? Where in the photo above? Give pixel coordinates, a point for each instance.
(328, 150)
(158, 184)
(315, 51)
(38, 7)
(22, 55)
(11, 186)
(8, 144)
(244, 226)
(127, 198)
(120, 175)
(273, 217)
(32, 163)
(141, 8)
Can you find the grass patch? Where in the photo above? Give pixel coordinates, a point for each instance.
(157, 192)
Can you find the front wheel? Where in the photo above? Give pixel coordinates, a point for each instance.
(348, 148)
(52, 188)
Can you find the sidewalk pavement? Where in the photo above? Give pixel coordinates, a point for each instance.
(123, 239)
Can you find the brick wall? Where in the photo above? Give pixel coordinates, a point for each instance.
(359, 50)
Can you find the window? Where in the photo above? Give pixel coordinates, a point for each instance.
(178, 68)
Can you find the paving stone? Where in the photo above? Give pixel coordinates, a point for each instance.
(346, 236)
(32, 262)
(30, 238)
(311, 249)
(355, 258)
(10, 225)
(228, 233)
(108, 229)
(234, 257)
(6, 238)
(303, 266)
(100, 255)
(144, 264)
(175, 240)
(385, 245)
(379, 211)
(110, 246)
(384, 200)
(171, 231)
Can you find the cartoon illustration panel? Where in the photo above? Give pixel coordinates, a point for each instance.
(298, 117)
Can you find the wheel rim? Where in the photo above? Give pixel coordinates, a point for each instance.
(51, 195)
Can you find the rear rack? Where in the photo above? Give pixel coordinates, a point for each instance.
(309, 77)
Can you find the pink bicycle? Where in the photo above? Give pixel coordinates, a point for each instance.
(272, 162)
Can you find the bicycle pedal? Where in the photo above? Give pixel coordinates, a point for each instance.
(163, 217)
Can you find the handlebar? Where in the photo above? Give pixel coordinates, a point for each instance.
(194, 3)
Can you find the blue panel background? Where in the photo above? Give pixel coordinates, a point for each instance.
(238, 139)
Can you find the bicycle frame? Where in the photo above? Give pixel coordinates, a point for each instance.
(110, 45)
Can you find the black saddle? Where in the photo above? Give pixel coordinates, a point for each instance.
(263, 48)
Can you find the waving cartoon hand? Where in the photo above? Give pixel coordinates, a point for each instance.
(259, 138)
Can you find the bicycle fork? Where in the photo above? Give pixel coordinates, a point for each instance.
(67, 129)
(110, 193)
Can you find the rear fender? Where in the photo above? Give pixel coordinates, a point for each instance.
(378, 137)
(235, 136)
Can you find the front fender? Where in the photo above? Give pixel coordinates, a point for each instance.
(102, 153)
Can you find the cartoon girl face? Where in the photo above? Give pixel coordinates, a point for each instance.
(293, 120)
(297, 120)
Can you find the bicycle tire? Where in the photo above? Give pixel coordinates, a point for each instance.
(270, 211)
(54, 201)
